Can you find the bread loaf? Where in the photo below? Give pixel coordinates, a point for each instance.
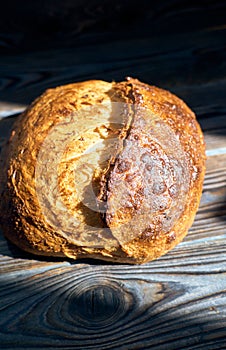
(111, 171)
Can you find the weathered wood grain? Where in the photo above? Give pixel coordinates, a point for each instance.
(178, 301)
(100, 307)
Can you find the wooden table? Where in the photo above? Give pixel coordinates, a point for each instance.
(178, 301)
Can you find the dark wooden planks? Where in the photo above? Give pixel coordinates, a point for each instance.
(100, 307)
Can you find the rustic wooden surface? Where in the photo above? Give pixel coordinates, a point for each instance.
(178, 301)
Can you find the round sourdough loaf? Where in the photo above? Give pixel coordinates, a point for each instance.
(110, 171)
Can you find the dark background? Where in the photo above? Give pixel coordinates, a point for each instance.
(178, 45)
(40, 25)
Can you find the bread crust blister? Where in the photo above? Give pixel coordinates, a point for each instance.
(111, 171)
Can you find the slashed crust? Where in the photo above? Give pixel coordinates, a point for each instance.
(153, 131)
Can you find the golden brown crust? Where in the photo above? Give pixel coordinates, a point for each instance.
(145, 213)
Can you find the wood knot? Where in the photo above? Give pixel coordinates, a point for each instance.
(98, 303)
